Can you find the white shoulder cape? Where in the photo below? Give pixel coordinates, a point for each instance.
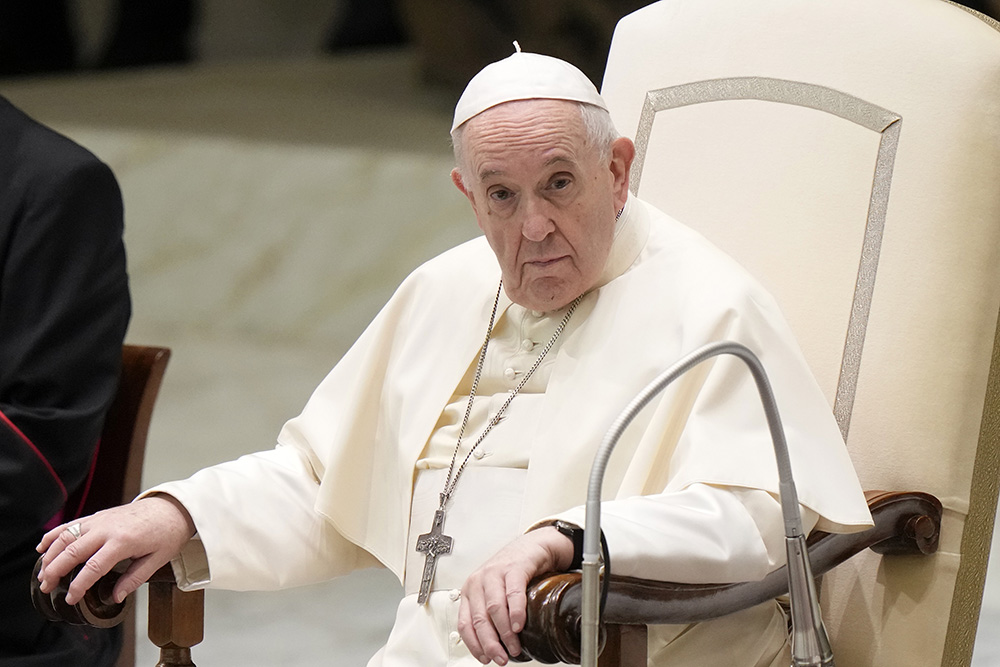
(368, 421)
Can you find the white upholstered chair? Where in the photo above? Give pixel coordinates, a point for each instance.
(847, 152)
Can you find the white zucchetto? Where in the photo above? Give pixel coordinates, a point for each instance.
(524, 76)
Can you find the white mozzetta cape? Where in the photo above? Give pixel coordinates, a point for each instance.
(336, 491)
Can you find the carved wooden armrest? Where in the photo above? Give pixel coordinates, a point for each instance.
(905, 523)
(176, 618)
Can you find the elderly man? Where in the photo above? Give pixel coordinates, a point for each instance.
(461, 465)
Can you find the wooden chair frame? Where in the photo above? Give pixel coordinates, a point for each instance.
(116, 479)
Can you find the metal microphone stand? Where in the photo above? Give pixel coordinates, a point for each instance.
(810, 644)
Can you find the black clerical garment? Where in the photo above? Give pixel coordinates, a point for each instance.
(64, 308)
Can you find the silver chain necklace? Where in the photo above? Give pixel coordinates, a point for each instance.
(435, 543)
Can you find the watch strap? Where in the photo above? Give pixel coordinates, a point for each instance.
(574, 533)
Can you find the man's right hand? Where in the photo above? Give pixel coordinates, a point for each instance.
(149, 531)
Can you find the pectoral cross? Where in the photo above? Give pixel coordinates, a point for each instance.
(432, 544)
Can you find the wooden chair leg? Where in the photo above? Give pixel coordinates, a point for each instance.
(176, 619)
(624, 646)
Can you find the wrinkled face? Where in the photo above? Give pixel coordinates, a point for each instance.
(545, 200)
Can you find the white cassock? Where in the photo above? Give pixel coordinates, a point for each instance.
(356, 477)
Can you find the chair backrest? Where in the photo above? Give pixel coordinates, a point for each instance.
(116, 474)
(848, 154)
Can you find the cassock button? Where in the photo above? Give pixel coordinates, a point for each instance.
(510, 373)
(454, 594)
(478, 454)
(537, 313)
(527, 345)
(455, 638)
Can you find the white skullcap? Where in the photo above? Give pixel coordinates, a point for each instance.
(524, 76)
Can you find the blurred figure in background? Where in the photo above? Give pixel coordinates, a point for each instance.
(40, 36)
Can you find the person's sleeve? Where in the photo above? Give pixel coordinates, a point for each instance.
(64, 308)
(257, 527)
(701, 534)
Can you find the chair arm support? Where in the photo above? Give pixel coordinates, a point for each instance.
(176, 617)
(905, 523)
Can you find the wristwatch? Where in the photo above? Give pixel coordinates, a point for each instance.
(575, 533)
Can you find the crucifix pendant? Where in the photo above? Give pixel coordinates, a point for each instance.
(432, 544)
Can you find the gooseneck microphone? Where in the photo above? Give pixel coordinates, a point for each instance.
(810, 644)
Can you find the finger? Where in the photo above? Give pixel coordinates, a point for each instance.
(49, 538)
(57, 539)
(63, 555)
(502, 616)
(517, 601)
(468, 632)
(516, 614)
(137, 573)
(95, 566)
(494, 622)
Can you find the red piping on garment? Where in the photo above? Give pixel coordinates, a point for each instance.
(48, 466)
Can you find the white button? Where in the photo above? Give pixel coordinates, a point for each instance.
(454, 594)
(510, 373)
(455, 638)
(537, 313)
(478, 454)
(527, 345)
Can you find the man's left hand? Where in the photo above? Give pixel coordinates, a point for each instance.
(493, 597)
